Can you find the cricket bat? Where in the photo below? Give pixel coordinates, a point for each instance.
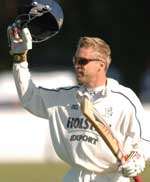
(105, 132)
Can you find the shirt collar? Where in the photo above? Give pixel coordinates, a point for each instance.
(102, 90)
(96, 89)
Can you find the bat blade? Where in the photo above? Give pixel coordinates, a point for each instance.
(102, 129)
(105, 132)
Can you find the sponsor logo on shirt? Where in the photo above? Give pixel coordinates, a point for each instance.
(84, 138)
(74, 107)
(79, 124)
(108, 112)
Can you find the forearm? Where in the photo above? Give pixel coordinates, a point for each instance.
(20, 43)
(22, 77)
(28, 93)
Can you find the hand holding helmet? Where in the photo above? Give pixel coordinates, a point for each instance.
(37, 22)
(44, 18)
(20, 41)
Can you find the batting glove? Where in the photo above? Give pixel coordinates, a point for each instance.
(20, 40)
(133, 166)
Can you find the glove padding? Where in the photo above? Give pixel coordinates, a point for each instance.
(20, 41)
(133, 166)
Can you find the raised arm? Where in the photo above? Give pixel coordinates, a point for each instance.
(20, 42)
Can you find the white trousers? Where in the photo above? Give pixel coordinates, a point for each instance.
(75, 175)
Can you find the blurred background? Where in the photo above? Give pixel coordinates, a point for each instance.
(24, 138)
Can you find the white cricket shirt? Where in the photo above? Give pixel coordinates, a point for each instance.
(74, 139)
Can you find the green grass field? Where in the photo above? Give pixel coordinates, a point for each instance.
(47, 172)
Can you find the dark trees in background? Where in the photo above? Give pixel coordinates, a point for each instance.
(123, 24)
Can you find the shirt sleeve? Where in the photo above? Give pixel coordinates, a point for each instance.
(28, 93)
(139, 126)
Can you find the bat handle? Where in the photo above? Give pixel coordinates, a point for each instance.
(138, 179)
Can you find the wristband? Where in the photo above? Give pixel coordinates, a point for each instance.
(18, 58)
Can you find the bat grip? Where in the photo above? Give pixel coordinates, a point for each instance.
(138, 179)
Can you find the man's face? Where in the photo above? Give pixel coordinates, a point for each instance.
(87, 65)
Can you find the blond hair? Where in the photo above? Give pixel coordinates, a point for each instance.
(99, 45)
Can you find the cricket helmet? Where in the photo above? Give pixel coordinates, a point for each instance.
(44, 18)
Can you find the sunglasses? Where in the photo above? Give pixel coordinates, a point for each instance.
(83, 61)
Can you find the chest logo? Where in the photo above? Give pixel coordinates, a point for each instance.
(108, 111)
(74, 107)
